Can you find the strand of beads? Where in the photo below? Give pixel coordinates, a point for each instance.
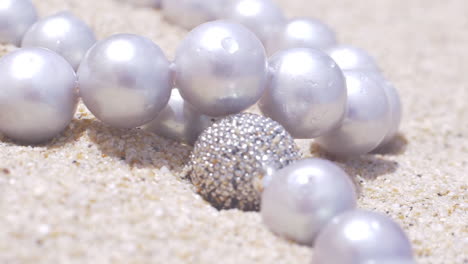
(243, 161)
(341, 98)
(305, 110)
(39, 85)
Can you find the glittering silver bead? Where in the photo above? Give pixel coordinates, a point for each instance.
(234, 157)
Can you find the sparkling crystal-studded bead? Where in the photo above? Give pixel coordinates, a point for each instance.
(233, 159)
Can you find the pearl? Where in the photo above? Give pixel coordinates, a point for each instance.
(352, 58)
(38, 94)
(63, 33)
(16, 16)
(396, 112)
(394, 101)
(125, 80)
(302, 197)
(233, 158)
(179, 121)
(221, 68)
(190, 13)
(302, 33)
(358, 237)
(367, 119)
(263, 17)
(306, 92)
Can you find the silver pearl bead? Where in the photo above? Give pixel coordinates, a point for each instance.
(352, 58)
(396, 112)
(394, 104)
(306, 93)
(367, 119)
(233, 158)
(125, 80)
(358, 237)
(63, 33)
(221, 68)
(263, 17)
(16, 16)
(38, 94)
(302, 33)
(302, 197)
(190, 13)
(179, 121)
(394, 101)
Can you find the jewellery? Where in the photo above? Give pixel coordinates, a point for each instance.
(221, 69)
(124, 80)
(306, 195)
(38, 95)
(222, 55)
(233, 159)
(63, 33)
(360, 236)
(16, 16)
(300, 33)
(367, 119)
(179, 121)
(301, 78)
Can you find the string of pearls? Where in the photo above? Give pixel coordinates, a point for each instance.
(311, 87)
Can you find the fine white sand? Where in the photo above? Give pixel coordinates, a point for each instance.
(102, 195)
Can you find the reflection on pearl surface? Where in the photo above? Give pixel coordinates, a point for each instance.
(306, 92)
(16, 16)
(358, 237)
(179, 121)
(263, 17)
(352, 58)
(221, 68)
(367, 119)
(63, 33)
(302, 33)
(302, 197)
(125, 80)
(190, 13)
(39, 94)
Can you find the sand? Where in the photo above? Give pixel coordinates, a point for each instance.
(102, 195)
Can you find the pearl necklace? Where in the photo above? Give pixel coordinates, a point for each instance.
(311, 87)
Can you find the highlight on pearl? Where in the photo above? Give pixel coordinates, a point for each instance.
(39, 94)
(360, 236)
(302, 197)
(302, 33)
(16, 16)
(221, 68)
(125, 80)
(306, 92)
(367, 119)
(352, 58)
(179, 121)
(63, 33)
